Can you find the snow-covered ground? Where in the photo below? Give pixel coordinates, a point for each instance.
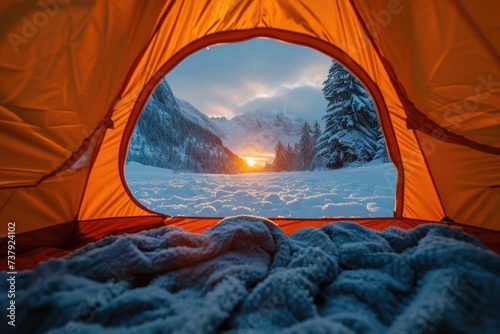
(366, 191)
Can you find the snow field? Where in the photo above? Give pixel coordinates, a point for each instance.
(366, 191)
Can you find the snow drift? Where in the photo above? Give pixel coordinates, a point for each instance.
(366, 191)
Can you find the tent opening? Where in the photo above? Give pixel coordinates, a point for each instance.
(263, 128)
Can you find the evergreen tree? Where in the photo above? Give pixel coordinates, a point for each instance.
(297, 161)
(290, 158)
(279, 162)
(351, 123)
(316, 133)
(306, 147)
(381, 150)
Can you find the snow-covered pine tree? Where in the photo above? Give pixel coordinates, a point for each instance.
(381, 151)
(316, 134)
(351, 123)
(317, 161)
(297, 162)
(306, 147)
(289, 158)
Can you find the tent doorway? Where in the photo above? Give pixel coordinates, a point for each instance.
(238, 129)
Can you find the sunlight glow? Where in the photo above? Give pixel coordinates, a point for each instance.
(250, 161)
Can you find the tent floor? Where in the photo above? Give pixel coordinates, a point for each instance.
(35, 247)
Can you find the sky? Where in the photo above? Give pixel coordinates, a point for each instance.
(229, 79)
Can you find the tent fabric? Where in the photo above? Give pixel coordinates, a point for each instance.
(77, 74)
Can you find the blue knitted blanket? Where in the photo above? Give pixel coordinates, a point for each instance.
(245, 275)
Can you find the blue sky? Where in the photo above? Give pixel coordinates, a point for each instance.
(229, 79)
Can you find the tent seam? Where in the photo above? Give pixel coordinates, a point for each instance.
(399, 165)
(438, 194)
(115, 101)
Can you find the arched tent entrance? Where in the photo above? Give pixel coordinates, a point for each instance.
(77, 74)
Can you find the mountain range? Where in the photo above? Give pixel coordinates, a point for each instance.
(172, 133)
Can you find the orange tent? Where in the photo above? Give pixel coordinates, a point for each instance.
(75, 76)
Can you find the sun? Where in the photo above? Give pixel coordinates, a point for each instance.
(250, 161)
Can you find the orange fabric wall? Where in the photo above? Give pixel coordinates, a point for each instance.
(447, 61)
(61, 66)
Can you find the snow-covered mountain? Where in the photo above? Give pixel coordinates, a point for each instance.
(255, 133)
(171, 133)
(196, 116)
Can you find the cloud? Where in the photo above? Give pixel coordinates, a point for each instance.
(230, 79)
(219, 110)
(301, 101)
